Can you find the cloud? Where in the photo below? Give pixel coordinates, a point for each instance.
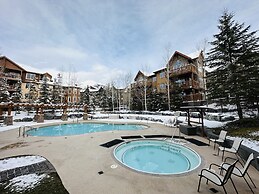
(100, 39)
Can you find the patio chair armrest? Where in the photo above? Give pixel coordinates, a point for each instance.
(209, 171)
(229, 158)
(213, 164)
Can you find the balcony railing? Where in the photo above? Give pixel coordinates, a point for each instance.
(185, 69)
(10, 75)
(11, 88)
(190, 84)
(193, 97)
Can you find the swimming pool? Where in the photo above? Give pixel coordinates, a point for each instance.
(80, 128)
(157, 157)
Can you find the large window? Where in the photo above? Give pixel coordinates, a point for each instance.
(178, 64)
(162, 74)
(30, 76)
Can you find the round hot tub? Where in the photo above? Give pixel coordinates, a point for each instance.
(157, 157)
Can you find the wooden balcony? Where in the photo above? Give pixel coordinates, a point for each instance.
(190, 84)
(184, 70)
(11, 88)
(193, 97)
(10, 76)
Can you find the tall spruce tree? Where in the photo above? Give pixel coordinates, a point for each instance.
(4, 94)
(16, 96)
(45, 93)
(234, 60)
(85, 98)
(33, 93)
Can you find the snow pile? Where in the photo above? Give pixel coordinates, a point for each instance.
(11, 163)
(255, 133)
(253, 144)
(25, 182)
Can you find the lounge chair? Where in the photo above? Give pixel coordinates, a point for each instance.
(241, 172)
(234, 149)
(216, 178)
(220, 140)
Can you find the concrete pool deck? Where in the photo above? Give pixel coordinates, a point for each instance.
(78, 159)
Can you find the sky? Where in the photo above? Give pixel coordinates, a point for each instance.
(103, 41)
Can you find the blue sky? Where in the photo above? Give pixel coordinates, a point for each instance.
(99, 41)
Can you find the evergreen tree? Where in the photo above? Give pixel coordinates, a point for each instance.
(44, 91)
(56, 94)
(85, 98)
(137, 97)
(234, 60)
(16, 96)
(33, 93)
(176, 96)
(157, 101)
(4, 94)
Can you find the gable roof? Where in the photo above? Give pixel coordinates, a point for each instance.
(140, 73)
(15, 64)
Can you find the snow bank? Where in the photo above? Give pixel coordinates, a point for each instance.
(25, 182)
(11, 163)
(253, 144)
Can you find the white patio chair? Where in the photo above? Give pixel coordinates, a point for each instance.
(220, 140)
(234, 149)
(217, 178)
(241, 172)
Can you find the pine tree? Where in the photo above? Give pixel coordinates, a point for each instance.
(176, 96)
(157, 101)
(33, 93)
(56, 94)
(16, 96)
(44, 91)
(234, 63)
(4, 94)
(85, 99)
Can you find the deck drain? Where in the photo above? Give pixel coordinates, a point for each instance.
(114, 166)
(214, 190)
(100, 172)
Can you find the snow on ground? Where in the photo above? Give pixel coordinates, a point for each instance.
(25, 182)
(15, 162)
(167, 120)
(253, 144)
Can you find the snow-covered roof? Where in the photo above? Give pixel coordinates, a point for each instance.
(31, 69)
(161, 69)
(95, 88)
(194, 55)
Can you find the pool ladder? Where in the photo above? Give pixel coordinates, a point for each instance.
(22, 130)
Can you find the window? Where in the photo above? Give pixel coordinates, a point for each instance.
(162, 74)
(154, 79)
(162, 86)
(30, 76)
(177, 65)
(28, 85)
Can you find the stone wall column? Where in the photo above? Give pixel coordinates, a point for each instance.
(8, 120)
(85, 115)
(40, 118)
(64, 117)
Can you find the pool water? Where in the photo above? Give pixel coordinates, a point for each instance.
(80, 128)
(157, 157)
